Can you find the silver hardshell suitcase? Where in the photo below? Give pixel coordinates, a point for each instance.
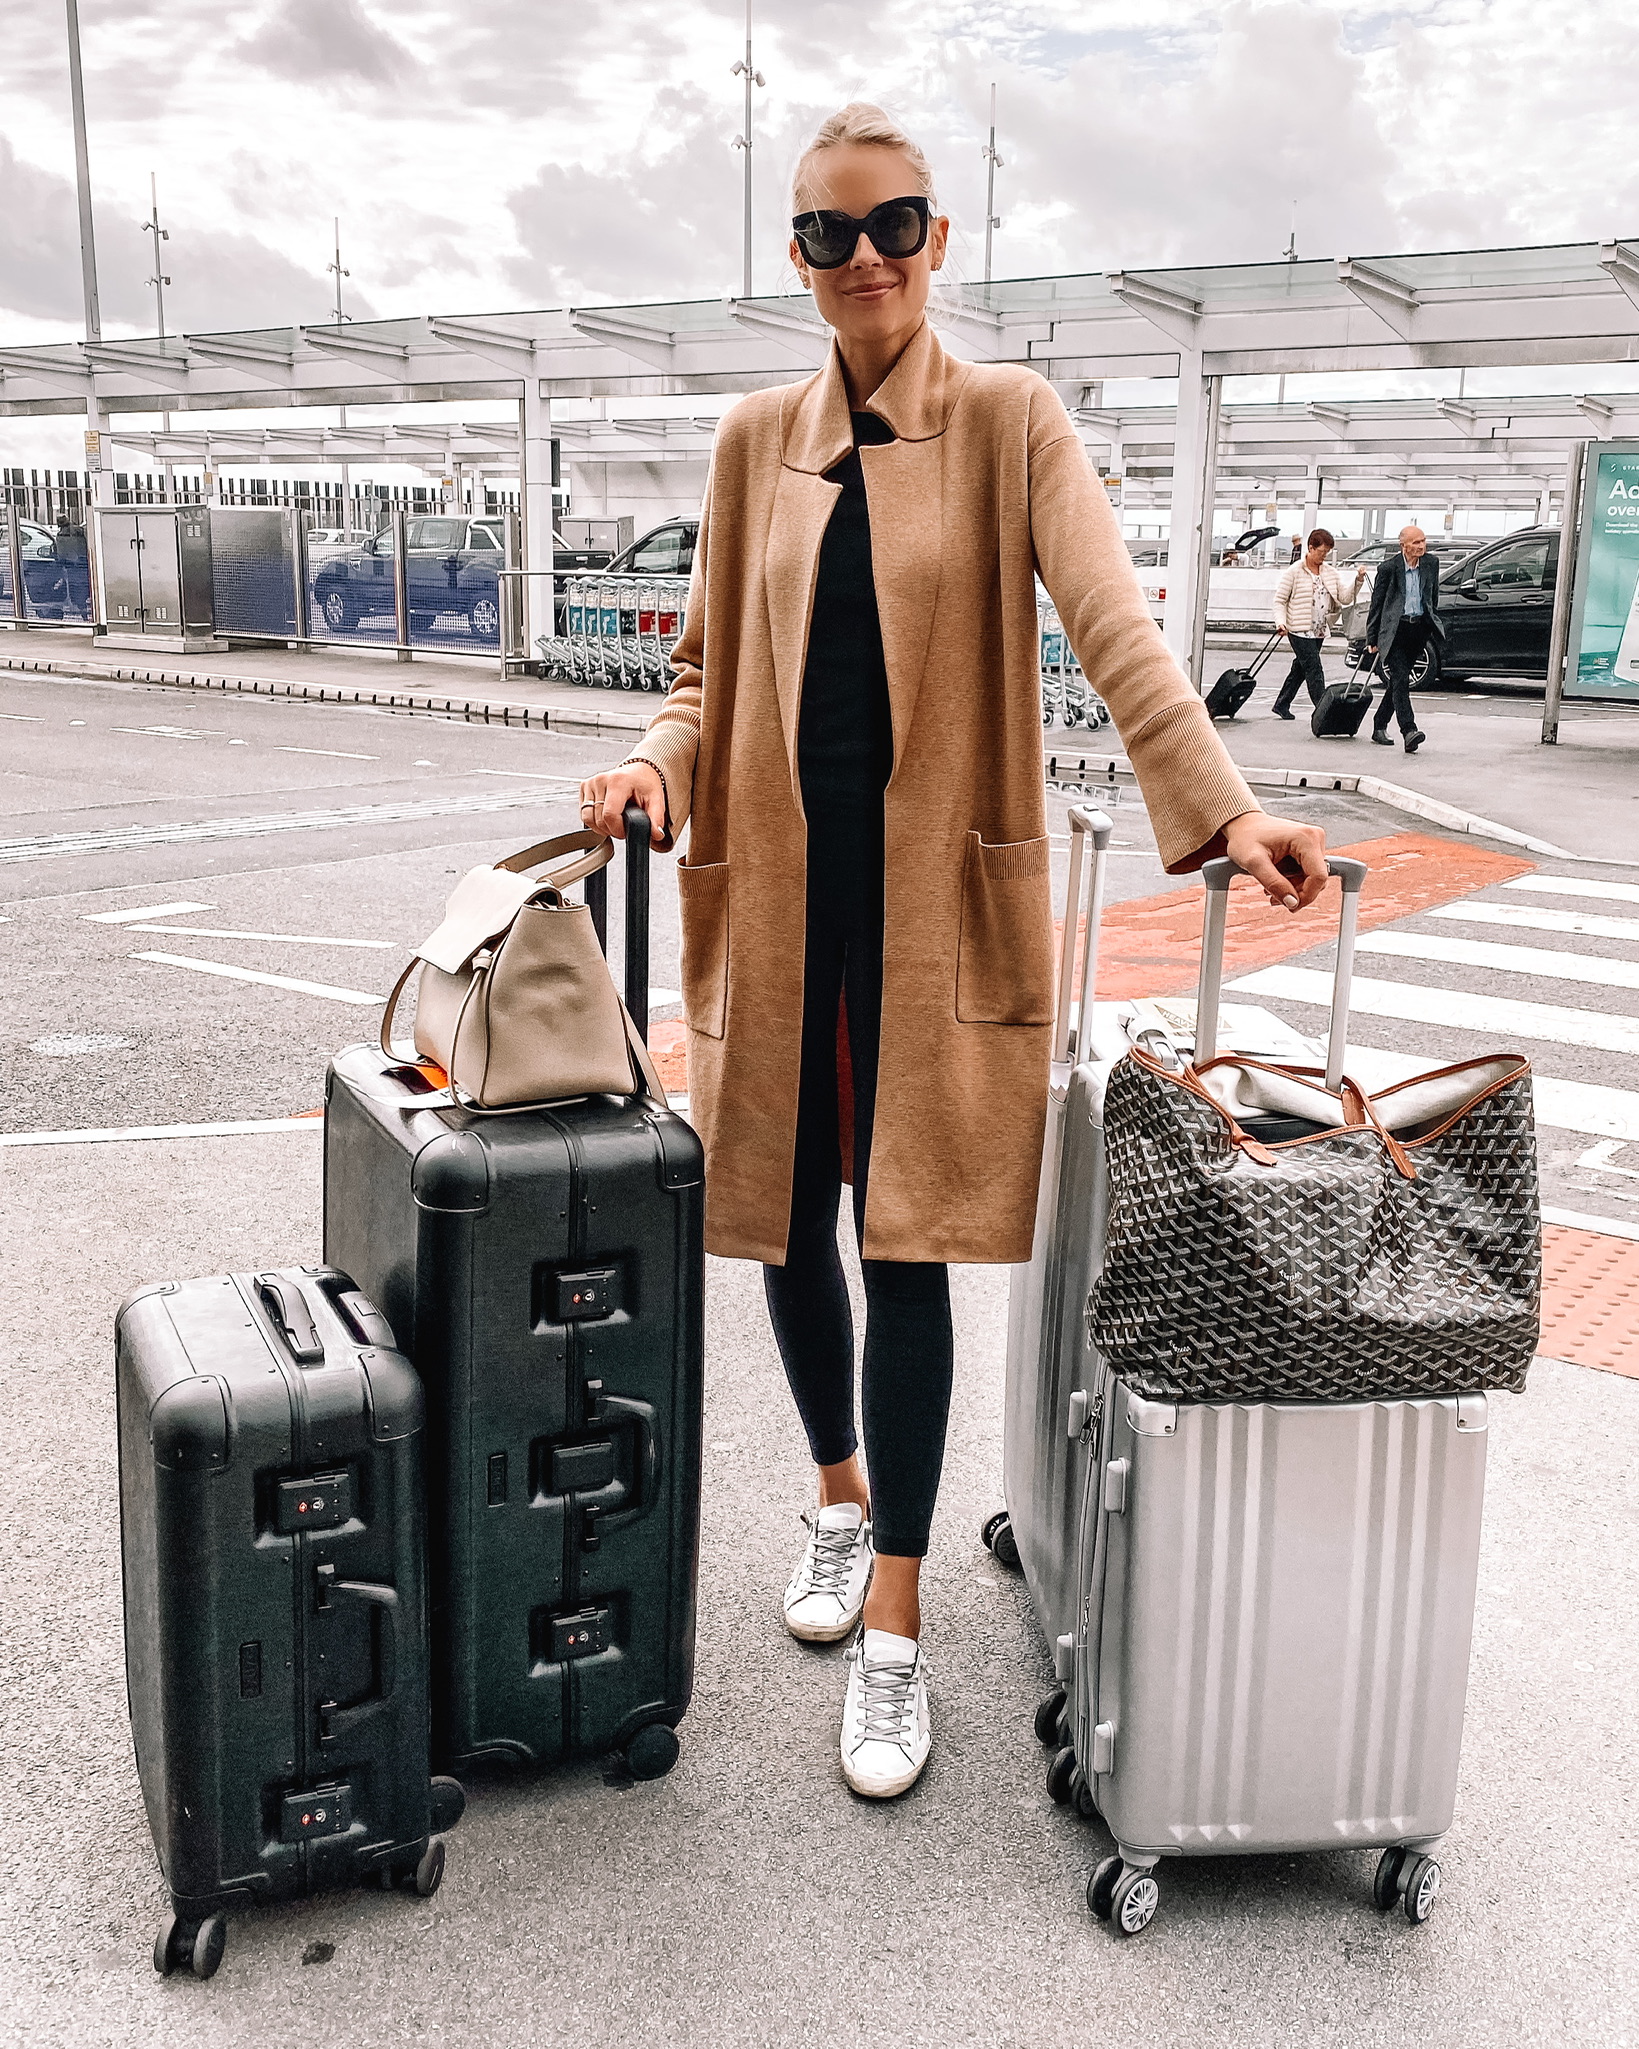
(1269, 1645)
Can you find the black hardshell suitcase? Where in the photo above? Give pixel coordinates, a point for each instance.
(1235, 686)
(1342, 706)
(271, 1521)
(547, 1270)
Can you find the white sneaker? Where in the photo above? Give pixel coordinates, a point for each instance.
(886, 1729)
(826, 1596)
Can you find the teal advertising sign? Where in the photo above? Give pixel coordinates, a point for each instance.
(1604, 650)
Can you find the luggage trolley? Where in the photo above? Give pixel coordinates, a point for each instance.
(1064, 690)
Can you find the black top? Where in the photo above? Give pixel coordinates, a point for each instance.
(845, 730)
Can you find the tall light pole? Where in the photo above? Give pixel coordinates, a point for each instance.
(88, 258)
(993, 164)
(159, 281)
(334, 266)
(743, 140)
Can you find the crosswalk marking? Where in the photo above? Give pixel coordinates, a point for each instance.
(1500, 1017)
(1538, 918)
(1546, 961)
(118, 838)
(218, 967)
(1577, 885)
(1564, 1105)
(273, 938)
(122, 1134)
(144, 911)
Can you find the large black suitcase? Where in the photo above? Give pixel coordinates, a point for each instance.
(547, 1270)
(1235, 686)
(1341, 708)
(271, 1522)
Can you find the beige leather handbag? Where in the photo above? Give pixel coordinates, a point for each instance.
(515, 1003)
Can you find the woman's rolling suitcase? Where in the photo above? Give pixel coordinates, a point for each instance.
(546, 1269)
(1269, 1645)
(1235, 686)
(1342, 707)
(271, 1522)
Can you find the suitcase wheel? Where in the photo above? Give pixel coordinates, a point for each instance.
(1081, 1795)
(1386, 1882)
(1101, 1887)
(652, 1751)
(428, 1875)
(1048, 1717)
(998, 1539)
(1133, 1901)
(185, 1946)
(1060, 1776)
(449, 1803)
(1407, 1879)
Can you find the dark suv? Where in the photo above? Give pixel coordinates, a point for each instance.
(452, 566)
(1497, 605)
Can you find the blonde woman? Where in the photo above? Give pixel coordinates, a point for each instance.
(853, 738)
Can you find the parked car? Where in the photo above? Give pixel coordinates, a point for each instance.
(1497, 604)
(452, 566)
(665, 550)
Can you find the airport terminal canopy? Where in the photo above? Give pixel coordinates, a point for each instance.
(1565, 303)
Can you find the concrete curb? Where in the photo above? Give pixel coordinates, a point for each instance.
(1115, 768)
(486, 711)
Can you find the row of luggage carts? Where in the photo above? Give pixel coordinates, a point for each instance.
(617, 632)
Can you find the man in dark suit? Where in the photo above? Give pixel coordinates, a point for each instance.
(1403, 619)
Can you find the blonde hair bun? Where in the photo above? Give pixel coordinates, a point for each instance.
(866, 127)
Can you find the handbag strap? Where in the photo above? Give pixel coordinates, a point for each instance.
(597, 850)
(1359, 1111)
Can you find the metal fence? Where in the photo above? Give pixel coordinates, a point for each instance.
(617, 631)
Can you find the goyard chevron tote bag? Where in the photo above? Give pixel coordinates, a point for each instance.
(1394, 1250)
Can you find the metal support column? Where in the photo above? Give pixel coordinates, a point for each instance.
(535, 495)
(14, 552)
(1194, 490)
(1313, 489)
(1559, 632)
(401, 582)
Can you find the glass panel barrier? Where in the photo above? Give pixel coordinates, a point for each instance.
(7, 606)
(350, 588)
(253, 570)
(453, 569)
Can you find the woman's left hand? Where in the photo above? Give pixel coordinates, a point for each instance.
(1262, 844)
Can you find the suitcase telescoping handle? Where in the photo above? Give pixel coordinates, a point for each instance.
(637, 914)
(1217, 876)
(1084, 825)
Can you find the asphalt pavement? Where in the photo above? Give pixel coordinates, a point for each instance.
(747, 1898)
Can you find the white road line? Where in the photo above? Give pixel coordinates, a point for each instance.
(1500, 1017)
(1546, 961)
(274, 938)
(51, 846)
(217, 967)
(529, 775)
(143, 911)
(660, 999)
(22, 718)
(340, 753)
(1577, 885)
(1605, 1227)
(1564, 1105)
(119, 1136)
(1537, 918)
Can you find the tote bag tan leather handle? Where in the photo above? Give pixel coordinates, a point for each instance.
(596, 848)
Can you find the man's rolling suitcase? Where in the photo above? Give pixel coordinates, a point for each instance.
(1269, 1650)
(546, 1268)
(271, 1521)
(1235, 686)
(1342, 707)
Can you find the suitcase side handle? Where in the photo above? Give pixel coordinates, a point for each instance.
(336, 1721)
(1084, 825)
(287, 1311)
(646, 1459)
(1217, 875)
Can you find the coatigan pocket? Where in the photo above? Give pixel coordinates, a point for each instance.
(703, 899)
(1004, 957)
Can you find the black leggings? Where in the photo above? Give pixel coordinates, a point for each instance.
(906, 1375)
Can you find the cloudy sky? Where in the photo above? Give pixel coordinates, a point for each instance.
(528, 152)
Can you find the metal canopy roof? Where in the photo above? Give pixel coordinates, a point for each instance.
(1566, 303)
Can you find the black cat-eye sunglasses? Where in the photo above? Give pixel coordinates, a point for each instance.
(827, 239)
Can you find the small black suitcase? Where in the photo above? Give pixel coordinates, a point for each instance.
(1342, 707)
(1235, 686)
(271, 1524)
(547, 1269)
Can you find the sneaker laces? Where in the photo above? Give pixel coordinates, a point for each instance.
(829, 1559)
(887, 1690)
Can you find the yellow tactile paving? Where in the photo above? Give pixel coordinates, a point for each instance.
(1590, 1299)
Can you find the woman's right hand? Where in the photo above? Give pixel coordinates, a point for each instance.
(603, 799)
